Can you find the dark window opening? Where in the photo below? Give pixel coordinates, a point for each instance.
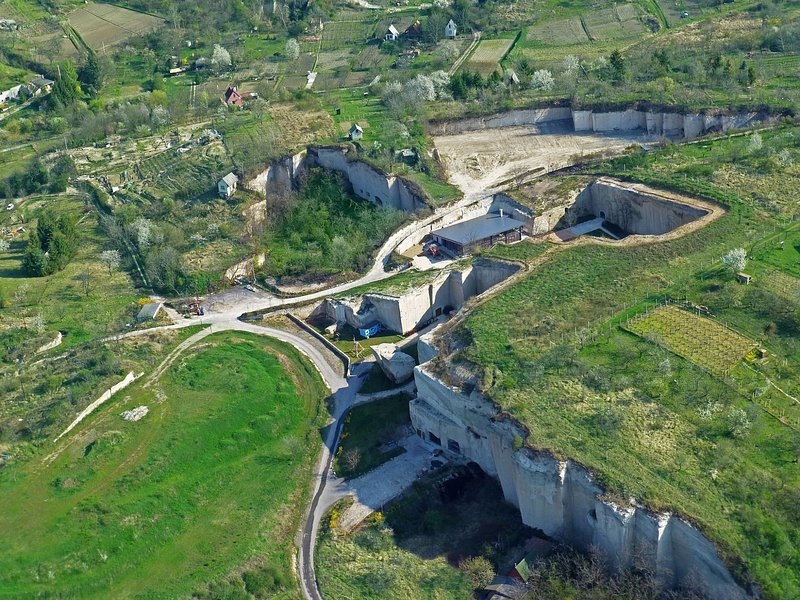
(453, 446)
(434, 439)
(602, 214)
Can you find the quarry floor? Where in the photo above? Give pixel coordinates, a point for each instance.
(492, 159)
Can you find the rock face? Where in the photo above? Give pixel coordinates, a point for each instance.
(561, 497)
(135, 414)
(405, 310)
(396, 365)
(52, 344)
(633, 209)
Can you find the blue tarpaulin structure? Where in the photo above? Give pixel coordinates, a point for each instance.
(370, 330)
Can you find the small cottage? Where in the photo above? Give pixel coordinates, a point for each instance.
(356, 133)
(392, 34)
(227, 185)
(450, 30)
(232, 97)
(40, 85)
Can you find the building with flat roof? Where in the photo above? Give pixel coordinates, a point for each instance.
(481, 232)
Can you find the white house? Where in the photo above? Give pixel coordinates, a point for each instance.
(450, 30)
(392, 34)
(11, 94)
(356, 133)
(227, 185)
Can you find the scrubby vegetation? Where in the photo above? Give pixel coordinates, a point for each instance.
(324, 229)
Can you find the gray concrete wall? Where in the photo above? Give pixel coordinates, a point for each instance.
(561, 497)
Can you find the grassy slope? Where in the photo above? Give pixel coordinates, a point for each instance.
(616, 406)
(207, 481)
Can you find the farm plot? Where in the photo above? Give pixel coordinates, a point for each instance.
(487, 56)
(104, 25)
(620, 22)
(562, 32)
(347, 34)
(701, 340)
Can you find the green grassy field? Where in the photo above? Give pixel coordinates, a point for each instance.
(366, 429)
(205, 489)
(653, 425)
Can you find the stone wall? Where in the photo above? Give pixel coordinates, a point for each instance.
(561, 498)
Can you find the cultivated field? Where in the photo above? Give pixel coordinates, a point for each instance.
(784, 285)
(104, 25)
(620, 22)
(487, 56)
(701, 340)
(562, 32)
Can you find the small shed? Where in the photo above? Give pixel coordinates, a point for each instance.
(392, 34)
(450, 30)
(227, 185)
(368, 331)
(40, 85)
(744, 278)
(149, 311)
(356, 132)
(414, 31)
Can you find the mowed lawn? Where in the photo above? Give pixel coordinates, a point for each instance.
(211, 482)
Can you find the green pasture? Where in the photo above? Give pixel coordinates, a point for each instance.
(206, 489)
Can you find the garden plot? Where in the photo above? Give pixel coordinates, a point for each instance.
(701, 340)
(101, 25)
(347, 34)
(620, 22)
(487, 56)
(562, 32)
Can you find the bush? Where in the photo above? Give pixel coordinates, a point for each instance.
(478, 570)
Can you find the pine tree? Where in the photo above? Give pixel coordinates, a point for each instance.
(66, 89)
(92, 74)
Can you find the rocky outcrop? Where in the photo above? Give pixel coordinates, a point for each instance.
(407, 309)
(396, 365)
(561, 497)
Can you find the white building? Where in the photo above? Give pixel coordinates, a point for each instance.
(450, 30)
(227, 185)
(392, 34)
(356, 132)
